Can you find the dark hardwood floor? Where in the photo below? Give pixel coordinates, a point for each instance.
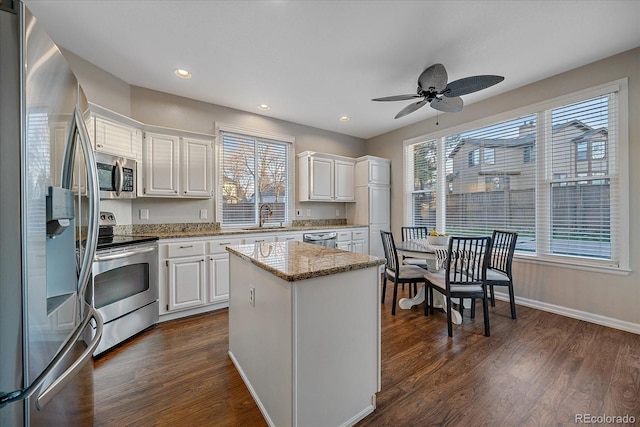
(541, 369)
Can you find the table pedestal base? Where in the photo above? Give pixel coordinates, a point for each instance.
(439, 301)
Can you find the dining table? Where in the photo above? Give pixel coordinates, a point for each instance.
(421, 248)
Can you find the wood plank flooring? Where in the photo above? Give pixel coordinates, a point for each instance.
(541, 369)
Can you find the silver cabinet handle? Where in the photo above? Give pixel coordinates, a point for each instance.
(224, 243)
(45, 396)
(186, 246)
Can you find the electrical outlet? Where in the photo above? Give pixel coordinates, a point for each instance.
(308, 212)
(337, 212)
(252, 296)
(203, 214)
(144, 213)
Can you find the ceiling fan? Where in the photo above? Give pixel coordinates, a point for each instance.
(433, 89)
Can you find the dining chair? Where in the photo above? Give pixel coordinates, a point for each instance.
(499, 270)
(396, 272)
(413, 233)
(464, 276)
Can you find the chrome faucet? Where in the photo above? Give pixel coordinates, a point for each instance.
(269, 213)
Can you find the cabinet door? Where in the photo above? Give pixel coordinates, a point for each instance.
(196, 167)
(379, 172)
(116, 138)
(186, 282)
(345, 246)
(379, 205)
(321, 178)
(344, 181)
(161, 157)
(218, 278)
(358, 246)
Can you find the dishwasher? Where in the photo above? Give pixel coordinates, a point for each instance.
(327, 238)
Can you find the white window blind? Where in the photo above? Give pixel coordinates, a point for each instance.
(552, 175)
(253, 171)
(582, 147)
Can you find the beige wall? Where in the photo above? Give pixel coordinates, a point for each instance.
(162, 109)
(592, 294)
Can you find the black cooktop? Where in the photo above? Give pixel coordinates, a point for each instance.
(110, 242)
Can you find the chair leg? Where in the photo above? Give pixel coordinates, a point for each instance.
(449, 322)
(493, 296)
(395, 298)
(430, 299)
(512, 301)
(384, 288)
(473, 308)
(426, 301)
(461, 307)
(485, 309)
(415, 288)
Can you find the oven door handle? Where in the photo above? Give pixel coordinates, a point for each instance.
(123, 254)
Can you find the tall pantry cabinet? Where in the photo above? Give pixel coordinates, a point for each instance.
(373, 199)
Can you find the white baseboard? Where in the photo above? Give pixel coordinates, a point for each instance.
(573, 313)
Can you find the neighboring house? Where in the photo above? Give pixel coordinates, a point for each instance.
(510, 163)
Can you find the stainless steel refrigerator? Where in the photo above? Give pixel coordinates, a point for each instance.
(49, 210)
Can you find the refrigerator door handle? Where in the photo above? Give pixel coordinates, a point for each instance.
(78, 128)
(66, 376)
(47, 394)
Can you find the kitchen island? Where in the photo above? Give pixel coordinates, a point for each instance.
(304, 331)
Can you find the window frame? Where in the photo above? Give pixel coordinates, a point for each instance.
(620, 179)
(221, 128)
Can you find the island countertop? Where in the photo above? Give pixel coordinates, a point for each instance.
(292, 260)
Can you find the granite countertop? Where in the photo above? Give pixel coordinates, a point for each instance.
(172, 231)
(292, 261)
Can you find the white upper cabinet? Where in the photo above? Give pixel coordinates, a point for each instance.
(176, 165)
(160, 165)
(372, 170)
(324, 177)
(196, 167)
(114, 133)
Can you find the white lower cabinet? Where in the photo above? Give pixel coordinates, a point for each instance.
(186, 282)
(194, 276)
(354, 240)
(218, 270)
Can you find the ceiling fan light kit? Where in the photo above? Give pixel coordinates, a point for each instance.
(442, 96)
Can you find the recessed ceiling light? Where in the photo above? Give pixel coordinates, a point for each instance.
(344, 118)
(264, 107)
(183, 74)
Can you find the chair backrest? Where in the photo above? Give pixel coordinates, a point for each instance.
(503, 246)
(412, 233)
(390, 252)
(467, 260)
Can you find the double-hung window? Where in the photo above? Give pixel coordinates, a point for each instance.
(255, 176)
(553, 172)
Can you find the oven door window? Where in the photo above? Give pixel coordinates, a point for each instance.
(120, 283)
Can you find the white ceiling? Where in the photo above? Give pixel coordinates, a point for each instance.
(314, 61)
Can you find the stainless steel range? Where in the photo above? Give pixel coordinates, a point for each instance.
(124, 288)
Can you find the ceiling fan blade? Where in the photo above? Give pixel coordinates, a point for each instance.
(410, 108)
(470, 85)
(448, 105)
(397, 98)
(433, 78)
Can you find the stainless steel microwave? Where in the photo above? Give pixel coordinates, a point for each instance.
(116, 176)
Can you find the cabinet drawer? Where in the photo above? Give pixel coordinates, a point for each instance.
(360, 234)
(218, 246)
(344, 235)
(185, 249)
